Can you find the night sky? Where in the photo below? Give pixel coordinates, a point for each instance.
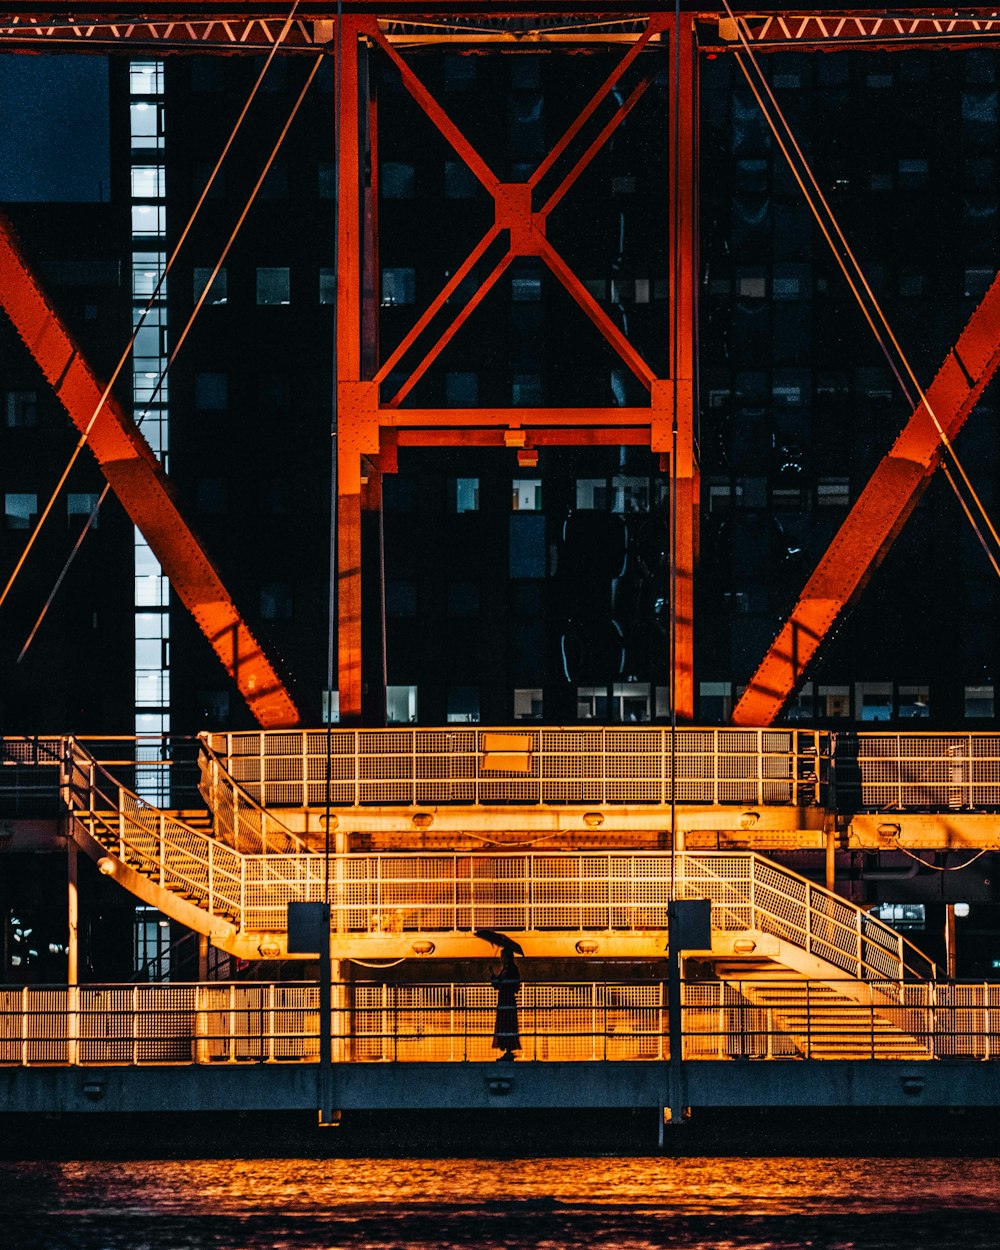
(54, 128)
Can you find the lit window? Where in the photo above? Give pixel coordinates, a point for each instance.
(147, 182)
(463, 494)
(527, 495)
(528, 703)
(401, 705)
(145, 78)
(147, 270)
(80, 507)
(146, 125)
(833, 702)
(218, 292)
(21, 409)
(463, 704)
(873, 700)
(914, 702)
(211, 391)
(330, 700)
(979, 703)
(631, 494)
(526, 282)
(148, 220)
(751, 288)
(276, 601)
(273, 286)
(592, 493)
(398, 287)
(20, 511)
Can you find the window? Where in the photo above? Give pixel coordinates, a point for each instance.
(276, 183)
(527, 495)
(715, 701)
(914, 702)
(151, 960)
(218, 292)
(22, 409)
(398, 287)
(147, 182)
(147, 271)
(833, 492)
(912, 173)
(528, 703)
(460, 183)
(400, 598)
(873, 700)
(463, 704)
(146, 124)
(461, 390)
(276, 601)
(463, 494)
(630, 702)
(979, 703)
(20, 511)
(977, 282)
(328, 286)
(330, 705)
(526, 390)
(214, 705)
(401, 705)
(398, 181)
(751, 288)
(631, 494)
(463, 599)
(273, 286)
(81, 507)
(833, 702)
(527, 546)
(800, 706)
(526, 282)
(592, 493)
(145, 78)
(211, 391)
(148, 220)
(327, 178)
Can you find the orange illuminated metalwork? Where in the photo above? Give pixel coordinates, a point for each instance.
(140, 484)
(369, 427)
(880, 512)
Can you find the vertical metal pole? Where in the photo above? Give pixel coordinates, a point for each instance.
(202, 958)
(950, 953)
(831, 860)
(72, 951)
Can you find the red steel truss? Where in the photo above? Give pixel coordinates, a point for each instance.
(371, 428)
(141, 486)
(880, 512)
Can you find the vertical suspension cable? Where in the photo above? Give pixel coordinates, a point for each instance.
(331, 607)
(122, 360)
(674, 359)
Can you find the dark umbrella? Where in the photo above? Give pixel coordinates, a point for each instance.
(499, 939)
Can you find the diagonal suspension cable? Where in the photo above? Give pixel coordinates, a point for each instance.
(854, 274)
(164, 372)
(82, 440)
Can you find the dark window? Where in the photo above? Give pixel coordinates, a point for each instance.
(463, 599)
(212, 495)
(276, 601)
(273, 286)
(527, 545)
(20, 511)
(217, 293)
(398, 181)
(327, 181)
(22, 409)
(276, 183)
(79, 508)
(211, 391)
(400, 598)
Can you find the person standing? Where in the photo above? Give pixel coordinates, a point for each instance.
(507, 982)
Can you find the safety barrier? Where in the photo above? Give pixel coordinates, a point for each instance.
(235, 1022)
(402, 767)
(914, 771)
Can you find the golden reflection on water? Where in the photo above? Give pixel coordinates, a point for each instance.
(526, 1204)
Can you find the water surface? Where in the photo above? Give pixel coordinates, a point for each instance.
(549, 1204)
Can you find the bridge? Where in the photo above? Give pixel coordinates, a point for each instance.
(572, 842)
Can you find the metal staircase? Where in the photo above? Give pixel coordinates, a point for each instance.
(235, 882)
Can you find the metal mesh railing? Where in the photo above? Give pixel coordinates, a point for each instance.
(918, 771)
(573, 766)
(234, 1022)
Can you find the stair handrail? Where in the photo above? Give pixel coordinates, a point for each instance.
(293, 841)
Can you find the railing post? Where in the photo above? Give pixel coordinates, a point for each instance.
(809, 1019)
(860, 952)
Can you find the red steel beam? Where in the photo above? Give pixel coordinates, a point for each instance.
(880, 512)
(139, 482)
